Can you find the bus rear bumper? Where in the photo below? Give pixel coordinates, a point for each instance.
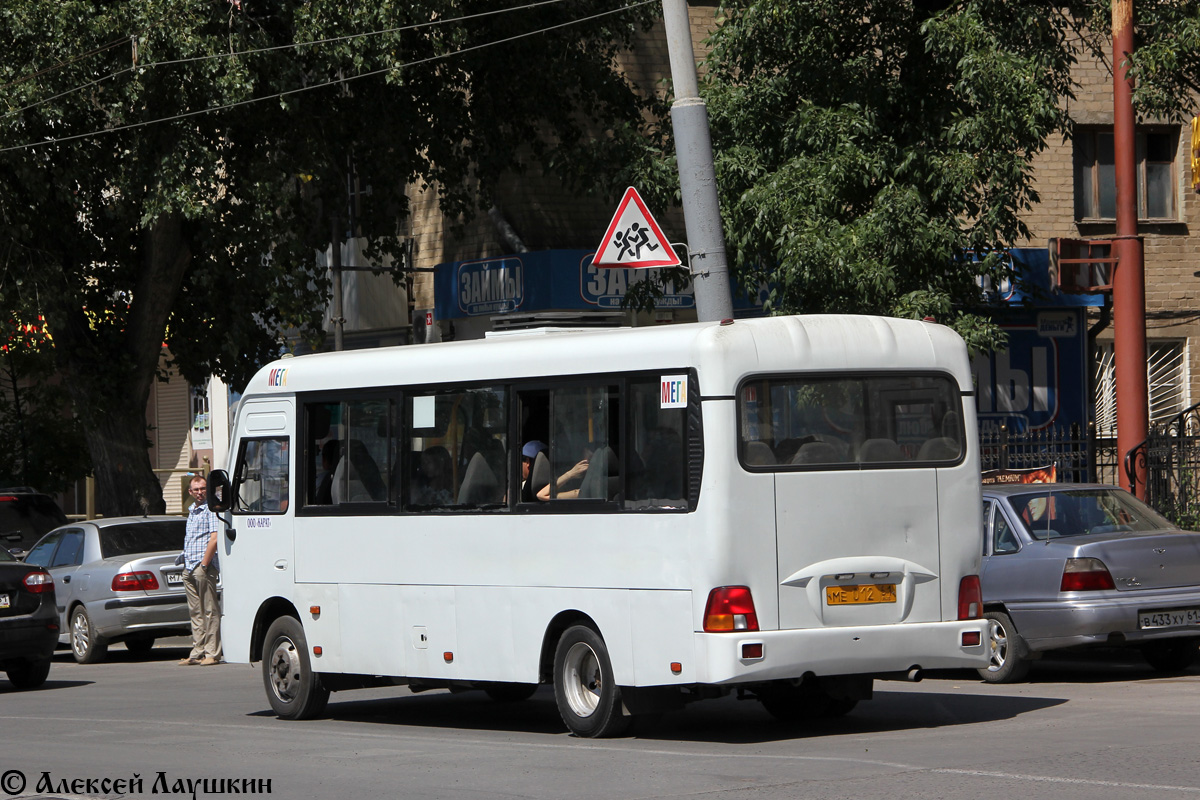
(840, 651)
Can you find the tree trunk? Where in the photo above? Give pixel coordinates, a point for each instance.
(125, 479)
(110, 385)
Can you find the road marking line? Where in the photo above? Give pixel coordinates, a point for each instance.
(592, 746)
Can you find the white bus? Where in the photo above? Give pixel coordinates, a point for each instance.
(787, 507)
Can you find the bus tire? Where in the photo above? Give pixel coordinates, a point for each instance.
(588, 698)
(1008, 661)
(293, 689)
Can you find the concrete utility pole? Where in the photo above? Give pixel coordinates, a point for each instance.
(335, 266)
(1129, 279)
(697, 179)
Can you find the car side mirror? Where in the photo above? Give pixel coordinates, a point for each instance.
(218, 495)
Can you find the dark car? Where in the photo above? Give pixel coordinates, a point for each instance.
(118, 581)
(26, 515)
(28, 622)
(1069, 565)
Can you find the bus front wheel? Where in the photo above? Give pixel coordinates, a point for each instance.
(588, 698)
(293, 689)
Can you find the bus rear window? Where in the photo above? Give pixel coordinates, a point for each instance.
(865, 421)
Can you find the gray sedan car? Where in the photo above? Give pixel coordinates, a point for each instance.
(1076, 565)
(116, 581)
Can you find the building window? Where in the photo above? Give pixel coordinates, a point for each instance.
(1166, 378)
(1095, 176)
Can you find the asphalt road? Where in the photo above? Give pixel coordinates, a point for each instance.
(1096, 727)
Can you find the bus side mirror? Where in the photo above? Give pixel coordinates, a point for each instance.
(218, 490)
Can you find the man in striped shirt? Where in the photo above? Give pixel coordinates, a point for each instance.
(200, 572)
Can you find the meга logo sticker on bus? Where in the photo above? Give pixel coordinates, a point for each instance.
(633, 238)
(277, 377)
(673, 391)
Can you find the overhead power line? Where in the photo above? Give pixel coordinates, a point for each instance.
(69, 61)
(360, 76)
(256, 51)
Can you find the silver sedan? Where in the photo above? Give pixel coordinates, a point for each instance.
(117, 580)
(1077, 565)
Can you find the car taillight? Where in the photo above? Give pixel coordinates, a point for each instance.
(730, 608)
(38, 582)
(1085, 575)
(134, 582)
(970, 598)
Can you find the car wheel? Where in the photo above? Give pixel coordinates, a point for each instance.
(588, 699)
(510, 692)
(293, 689)
(28, 674)
(1007, 664)
(140, 644)
(1173, 655)
(87, 646)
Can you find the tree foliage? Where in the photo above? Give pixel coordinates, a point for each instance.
(876, 156)
(128, 232)
(41, 440)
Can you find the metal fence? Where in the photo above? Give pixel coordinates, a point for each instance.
(1171, 456)
(1078, 453)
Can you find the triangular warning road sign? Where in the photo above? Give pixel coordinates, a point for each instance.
(633, 238)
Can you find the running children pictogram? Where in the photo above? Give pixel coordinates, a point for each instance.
(633, 238)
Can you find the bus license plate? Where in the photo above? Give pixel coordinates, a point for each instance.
(1169, 618)
(863, 593)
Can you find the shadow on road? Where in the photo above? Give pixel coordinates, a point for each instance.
(1100, 665)
(727, 720)
(897, 706)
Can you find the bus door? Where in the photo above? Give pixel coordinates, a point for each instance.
(856, 492)
(256, 558)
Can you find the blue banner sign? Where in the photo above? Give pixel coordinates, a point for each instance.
(605, 287)
(490, 286)
(546, 280)
(1040, 381)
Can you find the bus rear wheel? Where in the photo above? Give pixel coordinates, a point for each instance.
(293, 689)
(589, 700)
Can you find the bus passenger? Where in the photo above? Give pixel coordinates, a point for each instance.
(573, 475)
(529, 454)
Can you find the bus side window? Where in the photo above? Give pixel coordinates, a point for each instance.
(458, 448)
(584, 448)
(658, 461)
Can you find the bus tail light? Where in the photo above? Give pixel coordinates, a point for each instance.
(1085, 575)
(730, 608)
(970, 598)
(134, 582)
